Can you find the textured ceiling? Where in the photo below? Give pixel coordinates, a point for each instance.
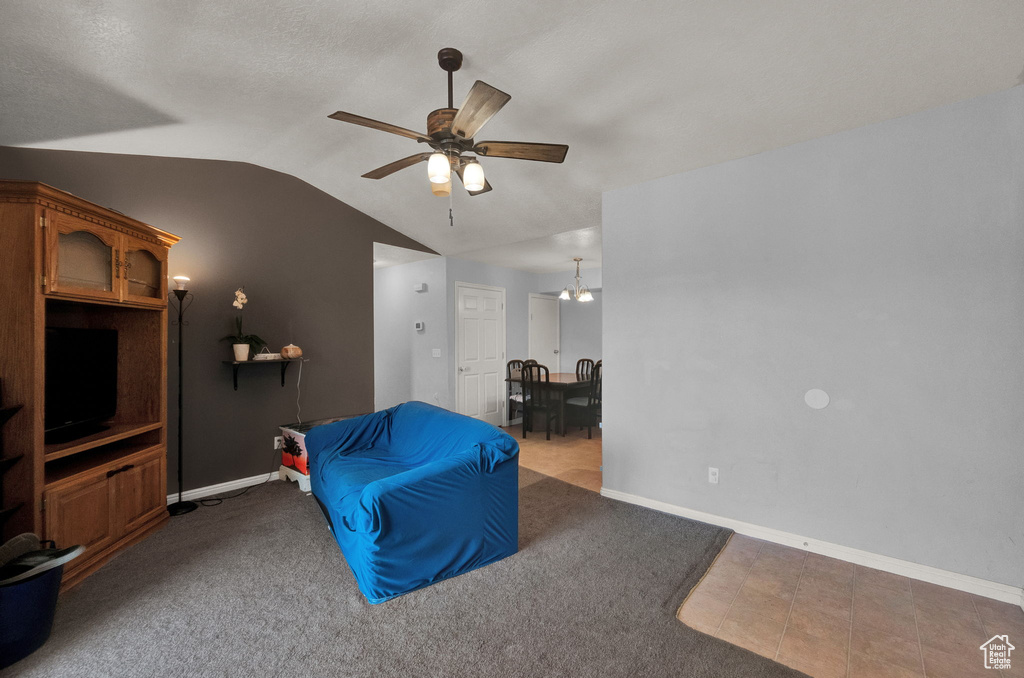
(638, 90)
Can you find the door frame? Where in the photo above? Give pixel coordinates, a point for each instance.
(529, 326)
(458, 343)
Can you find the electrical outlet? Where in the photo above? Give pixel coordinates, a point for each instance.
(712, 475)
(278, 442)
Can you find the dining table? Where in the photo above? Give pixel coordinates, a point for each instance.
(563, 385)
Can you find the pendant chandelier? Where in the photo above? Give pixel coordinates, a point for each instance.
(576, 290)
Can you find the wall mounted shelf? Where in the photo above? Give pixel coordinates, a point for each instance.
(283, 362)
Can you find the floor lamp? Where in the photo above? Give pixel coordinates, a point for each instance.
(179, 507)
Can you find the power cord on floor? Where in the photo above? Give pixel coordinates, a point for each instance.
(215, 501)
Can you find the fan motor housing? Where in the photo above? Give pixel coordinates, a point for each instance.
(439, 123)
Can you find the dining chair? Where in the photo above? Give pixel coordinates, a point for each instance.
(538, 398)
(591, 403)
(584, 366)
(514, 370)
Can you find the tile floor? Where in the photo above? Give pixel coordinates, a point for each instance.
(824, 617)
(572, 459)
(832, 619)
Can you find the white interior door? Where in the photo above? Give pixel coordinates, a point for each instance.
(544, 330)
(480, 380)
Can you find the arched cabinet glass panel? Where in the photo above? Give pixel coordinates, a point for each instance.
(144, 271)
(84, 262)
(82, 258)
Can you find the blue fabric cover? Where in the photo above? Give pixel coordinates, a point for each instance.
(416, 494)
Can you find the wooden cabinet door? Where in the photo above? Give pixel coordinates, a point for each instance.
(80, 513)
(143, 272)
(81, 258)
(140, 492)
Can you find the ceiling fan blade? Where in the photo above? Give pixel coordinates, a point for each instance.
(487, 184)
(482, 102)
(377, 124)
(521, 150)
(391, 168)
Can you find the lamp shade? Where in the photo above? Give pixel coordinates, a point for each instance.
(439, 169)
(564, 296)
(443, 190)
(585, 295)
(181, 281)
(473, 177)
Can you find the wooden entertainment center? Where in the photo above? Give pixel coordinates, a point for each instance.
(67, 263)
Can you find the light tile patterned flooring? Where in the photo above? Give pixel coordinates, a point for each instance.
(832, 619)
(825, 617)
(572, 459)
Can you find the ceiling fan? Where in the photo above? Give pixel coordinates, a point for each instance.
(450, 133)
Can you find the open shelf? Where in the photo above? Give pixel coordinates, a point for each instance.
(283, 362)
(113, 434)
(71, 466)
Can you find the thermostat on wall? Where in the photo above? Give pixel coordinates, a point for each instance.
(419, 326)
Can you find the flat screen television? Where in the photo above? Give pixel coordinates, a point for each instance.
(81, 382)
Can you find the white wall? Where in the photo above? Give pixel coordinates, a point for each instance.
(403, 365)
(884, 265)
(580, 330)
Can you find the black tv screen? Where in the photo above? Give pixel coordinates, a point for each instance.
(81, 381)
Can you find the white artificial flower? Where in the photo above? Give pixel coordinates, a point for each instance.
(240, 299)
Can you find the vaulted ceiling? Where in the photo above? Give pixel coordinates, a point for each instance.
(638, 90)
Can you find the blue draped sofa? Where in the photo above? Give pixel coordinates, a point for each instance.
(415, 494)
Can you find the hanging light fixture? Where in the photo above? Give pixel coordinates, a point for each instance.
(439, 168)
(578, 290)
(473, 176)
(443, 190)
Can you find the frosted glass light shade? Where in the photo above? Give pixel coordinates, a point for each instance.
(443, 190)
(473, 177)
(439, 169)
(181, 281)
(585, 295)
(564, 296)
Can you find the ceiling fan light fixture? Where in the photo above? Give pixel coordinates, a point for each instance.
(473, 176)
(439, 169)
(442, 190)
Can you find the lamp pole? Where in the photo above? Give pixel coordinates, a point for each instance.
(181, 507)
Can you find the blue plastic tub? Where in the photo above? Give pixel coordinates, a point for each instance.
(26, 614)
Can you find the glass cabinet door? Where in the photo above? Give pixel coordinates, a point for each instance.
(81, 258)
(144, 270)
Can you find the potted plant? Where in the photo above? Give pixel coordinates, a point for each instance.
(242, 343)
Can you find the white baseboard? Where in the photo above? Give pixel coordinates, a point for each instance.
(219, 488)
(953, 580)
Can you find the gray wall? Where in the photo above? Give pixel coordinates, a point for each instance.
(404, 366)
(580, 325)
(305, 260)
(883, 265)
